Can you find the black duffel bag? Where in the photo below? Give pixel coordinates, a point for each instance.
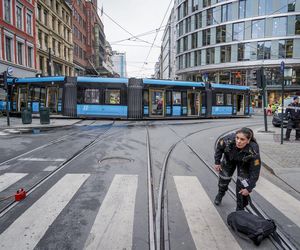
(251, 226)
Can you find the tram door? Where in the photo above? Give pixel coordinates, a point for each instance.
(193, 103)
(240, 107)
(22, 98)
(52, 97)
(157, 103)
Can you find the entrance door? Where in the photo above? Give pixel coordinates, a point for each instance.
(240, 108)
(52, 94)
(157, 104)
(193, 103)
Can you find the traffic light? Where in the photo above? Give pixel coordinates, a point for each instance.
(3, 80)
(260, 78)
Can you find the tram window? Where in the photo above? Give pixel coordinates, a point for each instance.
(168, 97)
(146, 98)
(91, 96)
(35, 94)
(80, 95)
(228, 99)
(43, 97)
(2, 94)
(176, 98)
(112, 96)
(219, 99)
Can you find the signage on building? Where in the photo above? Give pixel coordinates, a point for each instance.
(9, 70)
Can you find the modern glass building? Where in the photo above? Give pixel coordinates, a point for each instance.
(227, 41)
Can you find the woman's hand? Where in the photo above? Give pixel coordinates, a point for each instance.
(218, 168)
(244, 192)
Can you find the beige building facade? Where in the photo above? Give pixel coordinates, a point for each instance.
(54, 38)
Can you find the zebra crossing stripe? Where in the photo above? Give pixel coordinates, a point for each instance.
(8, 179)
(280, 199)
(206, 225)
(113, 226)
(40, 159)
(26, 231)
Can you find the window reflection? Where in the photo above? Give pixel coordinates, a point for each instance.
(279, 26)
(258, 29)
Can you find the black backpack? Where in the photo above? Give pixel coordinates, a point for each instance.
(251, 226)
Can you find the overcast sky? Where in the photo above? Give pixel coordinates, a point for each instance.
(137, 17)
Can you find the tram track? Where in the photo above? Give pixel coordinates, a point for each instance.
(35, 186)
(161, 217)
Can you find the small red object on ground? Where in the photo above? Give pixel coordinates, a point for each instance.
(20, 194)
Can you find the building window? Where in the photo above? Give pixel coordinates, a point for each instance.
(46, 41)
(30, 57)
(226, 54)
(194, 40)
(263, 50)
(197, 58)
(112, 96)
(221, 34)
(206, 3)
(279, 26)
(188, 60)
(8, 49)
(244, 51)
(242, 9)
(210, 17)
(206, 37)
(238, 31)
(45, 18)
(188, 23)
(19, 17)
(180, 26)
(29, 23)
(185, 43)
(39, 13)
(228, 99)
(291, 5)
(226, 12)
(42, 64)
(198, 20)
(210, 56)
(91, 96)
(20, 49)
(289, 48)
(7, 10)
(297, 25)
(194, 5)
(185, 8)
(258, 29)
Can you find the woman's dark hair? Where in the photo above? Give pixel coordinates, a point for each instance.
(248, 133)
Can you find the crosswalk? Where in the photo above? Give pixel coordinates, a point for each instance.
(113, 225)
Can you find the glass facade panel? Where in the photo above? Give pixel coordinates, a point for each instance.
(258, 29)
(221, 34)
(210, 17)
(197, 58)
(238, 31)
(198, 20)
(206, 37)
(289, 48)
(281, 49)
(206, 3)
(267, 50)
(242, 9)
(210, 56)
(225, 54)
(194, 40)
(249, 8)
(279, 26)
(244, 52)
(291, 5)
(297, 25)
(188, 24)
(261, 7)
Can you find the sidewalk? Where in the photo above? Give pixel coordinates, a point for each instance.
(281, 159)
(16, 123)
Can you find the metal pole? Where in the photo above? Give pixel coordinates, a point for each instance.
(282, 103)
(7, 97)
(264, 99)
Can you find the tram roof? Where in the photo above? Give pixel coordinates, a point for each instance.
(173, 83)
(102, 79)
(40, 79)
(229, 86)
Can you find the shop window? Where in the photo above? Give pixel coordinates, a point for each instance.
(146, 98)
(176, 98)
(220, 99)
(112, 96)
(92, 96)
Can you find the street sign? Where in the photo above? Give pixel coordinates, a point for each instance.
(282, 67)
(10, 70)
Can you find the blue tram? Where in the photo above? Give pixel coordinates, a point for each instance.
(128, 98)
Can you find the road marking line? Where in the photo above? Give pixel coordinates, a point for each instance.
(113, 226)
(206, 225)
(50, 168)
(280, 199)
(8, 179)
(40, 159)
(27, 230)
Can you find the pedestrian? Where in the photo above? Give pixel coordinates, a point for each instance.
(293, 114)
(237, 150)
